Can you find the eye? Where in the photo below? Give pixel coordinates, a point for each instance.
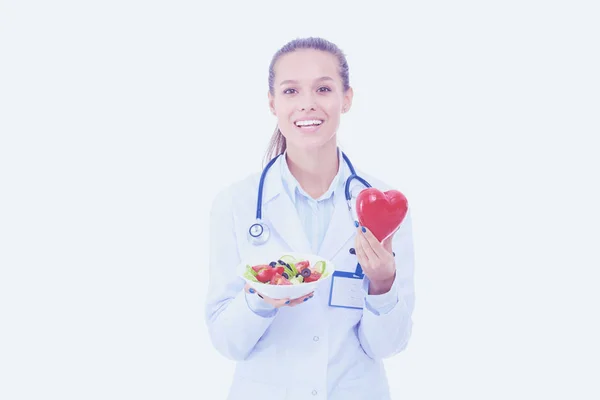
(289, 91)
(324, 89)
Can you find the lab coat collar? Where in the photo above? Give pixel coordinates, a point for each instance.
(293, 188)
(281, 214)
(341, 227)
(273, 185)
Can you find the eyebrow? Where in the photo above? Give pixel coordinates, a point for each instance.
(291, 81)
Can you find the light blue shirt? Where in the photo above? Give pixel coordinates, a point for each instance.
(314, 214)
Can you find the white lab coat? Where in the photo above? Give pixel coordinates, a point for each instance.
(311, 351)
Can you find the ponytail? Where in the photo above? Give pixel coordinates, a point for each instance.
(277, 146)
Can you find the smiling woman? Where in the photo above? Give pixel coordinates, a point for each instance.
(309, 87)
(348, 327)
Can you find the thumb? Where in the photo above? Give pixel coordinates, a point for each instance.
(387, 243)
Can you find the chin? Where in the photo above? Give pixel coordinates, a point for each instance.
(311, 142)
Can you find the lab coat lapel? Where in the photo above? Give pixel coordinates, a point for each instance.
(280, 213)
(341, 227)
(283, 218)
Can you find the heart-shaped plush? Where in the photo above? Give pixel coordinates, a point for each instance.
(381, 212)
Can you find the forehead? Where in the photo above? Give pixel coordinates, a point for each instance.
(306, 65)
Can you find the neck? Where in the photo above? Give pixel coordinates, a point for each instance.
(314, 169)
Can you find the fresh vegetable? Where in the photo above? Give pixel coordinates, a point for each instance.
(320, 267)
(279, 280)
(257, 268)
(286, 271)
(265, 275)
(302, 265)
(314, 276)
(250, 274)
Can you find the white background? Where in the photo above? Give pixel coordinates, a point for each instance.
(120, 120)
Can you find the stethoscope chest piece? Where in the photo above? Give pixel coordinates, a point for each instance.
(258, 233)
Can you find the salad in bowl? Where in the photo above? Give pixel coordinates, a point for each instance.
(290, 275)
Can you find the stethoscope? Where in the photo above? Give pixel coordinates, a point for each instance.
(259, 232)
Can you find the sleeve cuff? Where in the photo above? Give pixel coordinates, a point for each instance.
(381, 303)
(260, 307)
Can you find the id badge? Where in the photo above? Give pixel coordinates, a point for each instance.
(347, 289)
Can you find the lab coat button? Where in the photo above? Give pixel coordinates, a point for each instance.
(316, 338)
(314, 392)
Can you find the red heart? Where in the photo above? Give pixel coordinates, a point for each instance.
(381, 212)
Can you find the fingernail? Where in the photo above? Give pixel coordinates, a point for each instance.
(394, 254)
(364, 229)
(260, 296)
(306, 298)
(356, 223)
(252, 290)
(311, 296)
(287, 302)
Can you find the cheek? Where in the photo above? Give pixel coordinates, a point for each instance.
(283, 110)
(333, 106)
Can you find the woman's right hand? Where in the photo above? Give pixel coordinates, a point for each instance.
(278, 302)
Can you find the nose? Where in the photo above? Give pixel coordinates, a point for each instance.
(307, 102)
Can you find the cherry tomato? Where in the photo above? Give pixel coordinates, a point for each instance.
(314, 276)
(279, 280)
(302, 265)
(257, 268)
(265, 275)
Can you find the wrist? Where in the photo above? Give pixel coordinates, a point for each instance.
(381, 286)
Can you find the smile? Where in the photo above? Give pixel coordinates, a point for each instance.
(310, 122)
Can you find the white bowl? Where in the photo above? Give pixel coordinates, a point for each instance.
(287, 291)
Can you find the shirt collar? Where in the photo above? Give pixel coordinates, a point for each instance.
(293, 188)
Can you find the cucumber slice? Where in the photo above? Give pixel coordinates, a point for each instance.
(289, 270)
(320, 267)
(295, 281)
(252, 271)
(248, 275)
(293, 268)
(288, 259)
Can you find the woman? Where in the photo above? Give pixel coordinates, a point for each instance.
(304, 348)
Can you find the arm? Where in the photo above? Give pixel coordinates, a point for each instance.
(235, 320)
(386, 323)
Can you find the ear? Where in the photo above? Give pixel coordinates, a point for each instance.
(347, 103)
(271, 102)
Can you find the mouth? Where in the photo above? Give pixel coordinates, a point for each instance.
(309, 125)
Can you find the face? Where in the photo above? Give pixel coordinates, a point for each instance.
(308, 98)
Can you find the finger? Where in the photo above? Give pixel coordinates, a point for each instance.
(281, 302)
(249, 289)
(370, 252)
(387, 244)
(302, 299)
(374, 244)
(275, 302)
(361, 256)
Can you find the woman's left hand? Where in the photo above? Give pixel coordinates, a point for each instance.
(376, 259)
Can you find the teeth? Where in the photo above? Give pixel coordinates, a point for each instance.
(309, 123)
